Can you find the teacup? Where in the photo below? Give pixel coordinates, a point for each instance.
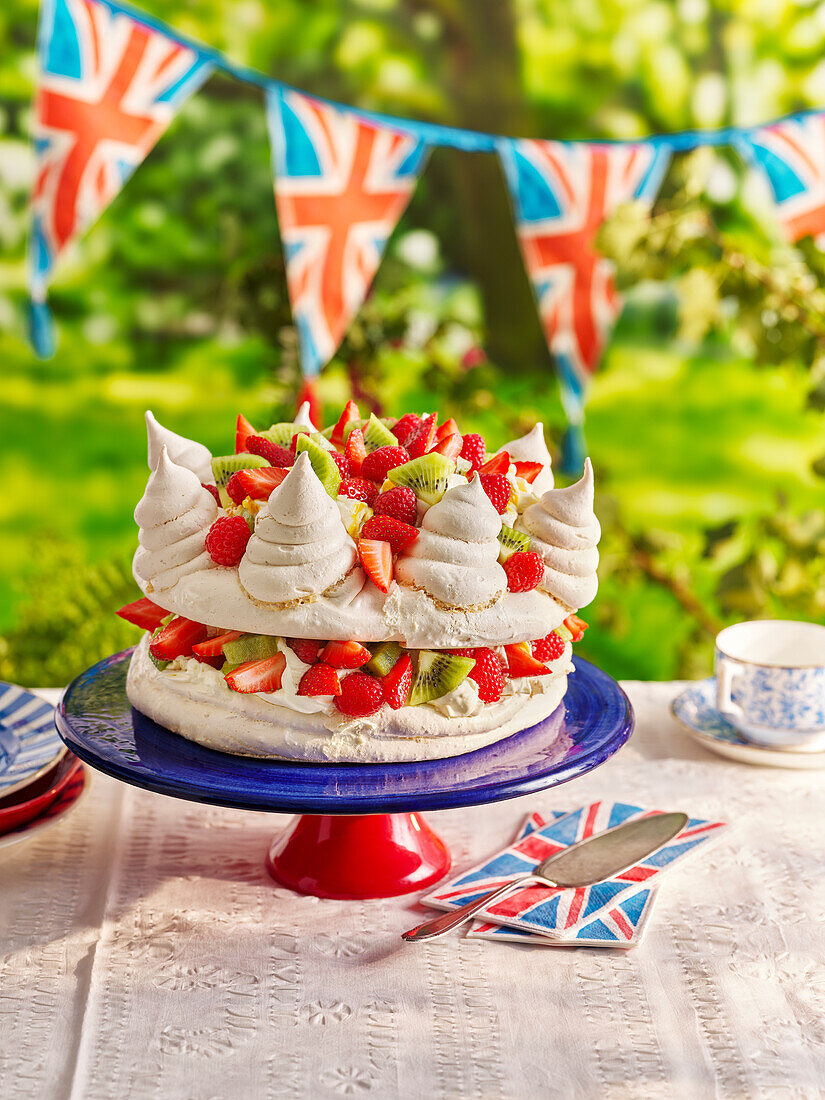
(770, 681)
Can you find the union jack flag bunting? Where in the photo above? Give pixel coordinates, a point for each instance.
(108, 87)
(562, 192)
(791, 156)
(554, 912)
(341, 185)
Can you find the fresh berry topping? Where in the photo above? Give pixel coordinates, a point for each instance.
(524, 570)
(421, 440)
(549, 648)
(521, 662)
(342, 462)
(358, 489)
(474, 449)
(213, 647)
(488, 675)
(243, 431)
(275, 454)
(576, 626)
(213, 489)
(399, 535)
(398, 682)
(377, 465)
(497, 488)
(305, 649)
(345, 654)
(213, 662)
(356, 451)
(143, 613)
(176, 639)
(320, 680)
(403, 428)
(400, 503)
(449, 446)
(376, 558)
(257, 484)
(528, 470)
(361, 695)
(449, 427)
(350, 413)
(463, 652)
(226, 539)
(262, 675)
(498, 464)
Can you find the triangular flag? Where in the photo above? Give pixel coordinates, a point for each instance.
(791, 155)
(108, 87)
(341, 185)
(562, 192)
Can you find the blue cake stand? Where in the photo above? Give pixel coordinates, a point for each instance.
(359, 834)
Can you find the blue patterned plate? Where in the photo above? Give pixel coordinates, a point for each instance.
(695, 710)
(29, 742)
(96, 721)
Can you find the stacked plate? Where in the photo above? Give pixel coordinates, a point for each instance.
(40, 780)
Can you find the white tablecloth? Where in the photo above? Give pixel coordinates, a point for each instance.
(144, 953)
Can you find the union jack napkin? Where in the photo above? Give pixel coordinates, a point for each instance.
(559, 912)
(623, 926)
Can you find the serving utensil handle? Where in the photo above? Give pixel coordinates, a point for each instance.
(448, 921)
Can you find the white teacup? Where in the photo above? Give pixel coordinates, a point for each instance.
(770, 681)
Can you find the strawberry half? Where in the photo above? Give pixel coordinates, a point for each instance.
(305, 649)
(388, 529)
(450, 446)
(143, 613)
(402, 429)
(345, 654)
(320, 680)
(257, 484)
(355, 451)
(243, 430)
(350, 413)
(262, 675)
(398, 682)
(529, 471)
(213, 647)
(376, 558)
(521, 662)
(498, 464)
(177, 639)
(449, 427)
(421, 440)
(576, 626)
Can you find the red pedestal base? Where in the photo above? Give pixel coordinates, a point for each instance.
(377, 856)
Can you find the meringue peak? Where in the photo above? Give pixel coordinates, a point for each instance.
(300, 498)
(303, 418)
(532, 448)
(574, 501)
(185, 452)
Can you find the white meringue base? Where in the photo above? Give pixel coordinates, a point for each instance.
(199, 706)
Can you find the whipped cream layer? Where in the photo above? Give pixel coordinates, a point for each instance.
(174, 516)
(532, 448)
(194, 701)
(300, 547)
(455, 557)
(563, 528)
(184, 452)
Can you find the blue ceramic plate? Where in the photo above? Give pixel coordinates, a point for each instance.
(29, 742)
(98, 724)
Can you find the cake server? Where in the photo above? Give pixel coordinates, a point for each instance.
(584, 863)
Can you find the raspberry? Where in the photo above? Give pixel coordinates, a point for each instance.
(272, 452)
(361, 695)
(388, 529)
(227, 538)
(400, 503)
(377, 465)
(403, 428)
(342, 462)
(358, 489)
(524, 570)
(474, 450)
(320, 680)
(488, 675)
(305, 649)
(213, 489)
(497, 488)
(549, 648)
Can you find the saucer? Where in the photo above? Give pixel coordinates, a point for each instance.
(695, 710)
(69, 799)
(29, 742)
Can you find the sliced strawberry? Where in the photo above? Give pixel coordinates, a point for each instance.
(398, 682)
(345, 654)
(262, 675)
(213, 647)
(402, 429)
(243, 431)
(449, 427)
(350, 413)
(320, 680)
(450, 446)
(143, 613)
(576, 626)
(305, 649)
(498, 464)
(213, 662)
(529, 470)
(356, 452)
(421, 440)
(257, 484)
(177, 639)
(376, 558)
(388, 529)
(521, 662)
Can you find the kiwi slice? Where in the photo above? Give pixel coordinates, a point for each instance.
(250, 647)
(158, 662)
(428, 476)
(280, 433)
(436, 674)
(384, 657)
(225, 466)
(377, 435)
(511, 541)
(322, 462)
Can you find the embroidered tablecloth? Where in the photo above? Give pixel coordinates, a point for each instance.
(145, 953)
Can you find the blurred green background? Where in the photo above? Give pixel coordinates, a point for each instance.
(705, 423)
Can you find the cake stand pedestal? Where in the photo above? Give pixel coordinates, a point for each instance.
(359, 834)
